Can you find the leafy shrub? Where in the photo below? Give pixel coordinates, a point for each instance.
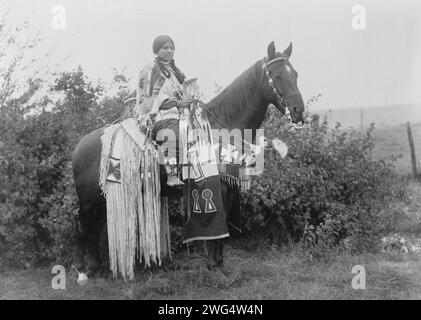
(60, 219)
(37, 198)
(327, 191)
(18, 196)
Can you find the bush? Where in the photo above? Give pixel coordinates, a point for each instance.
(60, 220)
(18, 195)
(327, 191)
(38, 204)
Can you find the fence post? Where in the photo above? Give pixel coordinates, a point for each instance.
(412, 149)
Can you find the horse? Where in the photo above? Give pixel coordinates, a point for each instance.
(241, 105)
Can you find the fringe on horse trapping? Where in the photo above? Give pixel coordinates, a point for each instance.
(230, 180)
(245, 183)
(236, 177)
(137, 221)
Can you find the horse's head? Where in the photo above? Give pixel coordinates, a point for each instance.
(279, 84)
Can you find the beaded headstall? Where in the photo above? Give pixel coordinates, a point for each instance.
(279, 98)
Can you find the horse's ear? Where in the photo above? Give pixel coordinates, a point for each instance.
(271, 50)
(288, 50)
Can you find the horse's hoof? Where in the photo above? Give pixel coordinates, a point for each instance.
(82, 279)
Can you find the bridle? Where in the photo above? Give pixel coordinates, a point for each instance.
(278, 96)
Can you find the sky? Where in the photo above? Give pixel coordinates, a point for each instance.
(216, 40)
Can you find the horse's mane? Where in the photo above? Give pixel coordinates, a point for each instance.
(235, 98)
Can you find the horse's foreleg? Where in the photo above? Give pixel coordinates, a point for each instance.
(211, 258)
(218, 246)
(215, 253)
(219, 252)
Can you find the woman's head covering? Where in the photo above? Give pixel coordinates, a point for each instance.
(160, 41)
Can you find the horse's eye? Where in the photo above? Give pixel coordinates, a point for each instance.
(277, 76)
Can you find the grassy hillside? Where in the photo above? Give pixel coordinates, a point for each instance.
(390, 134)
(381, 116)
(394, 141)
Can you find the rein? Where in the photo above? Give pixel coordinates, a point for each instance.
(213, 116)
(202, 105)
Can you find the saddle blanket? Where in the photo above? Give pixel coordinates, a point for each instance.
(204, 216)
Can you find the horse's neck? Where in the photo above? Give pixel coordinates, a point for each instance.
(241, 105)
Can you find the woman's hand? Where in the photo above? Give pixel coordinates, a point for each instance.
(185, 103)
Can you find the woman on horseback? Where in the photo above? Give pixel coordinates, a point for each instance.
(159, 98)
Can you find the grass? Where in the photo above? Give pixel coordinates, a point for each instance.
(266, 272)
(410, 220)
(269, 273)
(393, 141)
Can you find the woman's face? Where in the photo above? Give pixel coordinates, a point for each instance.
(166, 53)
